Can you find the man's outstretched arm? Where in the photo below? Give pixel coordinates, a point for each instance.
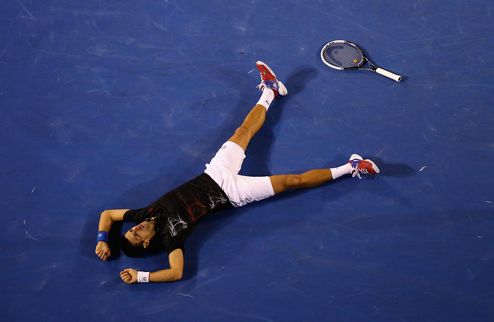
(174, 273)
(107, 218)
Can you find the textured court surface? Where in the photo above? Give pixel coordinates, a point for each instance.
(109, 104)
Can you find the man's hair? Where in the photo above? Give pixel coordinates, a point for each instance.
(130, 249)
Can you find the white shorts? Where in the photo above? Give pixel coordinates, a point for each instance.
(240, 190)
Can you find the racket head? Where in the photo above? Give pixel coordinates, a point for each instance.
(342, 54)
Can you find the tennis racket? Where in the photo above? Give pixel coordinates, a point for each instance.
(345, 55)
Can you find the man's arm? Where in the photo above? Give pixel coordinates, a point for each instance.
(174, 273)
(107, 218)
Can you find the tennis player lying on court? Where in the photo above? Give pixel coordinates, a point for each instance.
(166, 223)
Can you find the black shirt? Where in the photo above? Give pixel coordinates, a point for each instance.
(178, 211)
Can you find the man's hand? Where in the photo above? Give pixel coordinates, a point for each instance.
(129, 276)
(103, 250)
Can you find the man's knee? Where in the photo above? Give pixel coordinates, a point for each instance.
(285, 182)
(293, 181)
(242, 137)
(243, 131)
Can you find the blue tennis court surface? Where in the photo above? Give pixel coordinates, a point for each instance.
(109, 104)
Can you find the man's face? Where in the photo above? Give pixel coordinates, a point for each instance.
(141, 234)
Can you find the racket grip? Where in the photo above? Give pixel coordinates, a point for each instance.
(388, 74)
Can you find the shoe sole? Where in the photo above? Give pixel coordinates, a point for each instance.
(374, 166)
(260, 63)
(282, 89)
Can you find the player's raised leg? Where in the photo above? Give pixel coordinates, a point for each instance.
(271, 88)
(356, 166)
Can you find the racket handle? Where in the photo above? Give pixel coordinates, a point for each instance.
(388, 74)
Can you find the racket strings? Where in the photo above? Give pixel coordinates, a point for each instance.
(343, 56)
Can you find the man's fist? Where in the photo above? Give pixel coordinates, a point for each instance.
(129, 275)
(103, 250)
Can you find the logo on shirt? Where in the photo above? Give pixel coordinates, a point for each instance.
(215, 200)
(176, 225)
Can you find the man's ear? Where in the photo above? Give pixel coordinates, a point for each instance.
(145, 243)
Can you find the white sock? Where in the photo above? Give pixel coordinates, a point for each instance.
(266, 98)
(341, 171)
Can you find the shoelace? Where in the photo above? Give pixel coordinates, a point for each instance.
(355, 173)
(273, 85)
(356, 170)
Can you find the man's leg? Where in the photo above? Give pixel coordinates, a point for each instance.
(224, 168)
(309, 179)
(250, 126)
(271, 88)
(356, 166)
(250, 189)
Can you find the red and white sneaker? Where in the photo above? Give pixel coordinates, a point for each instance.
(361, 166)
(268, 79)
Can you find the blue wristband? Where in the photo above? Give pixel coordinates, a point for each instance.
(102, 236)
